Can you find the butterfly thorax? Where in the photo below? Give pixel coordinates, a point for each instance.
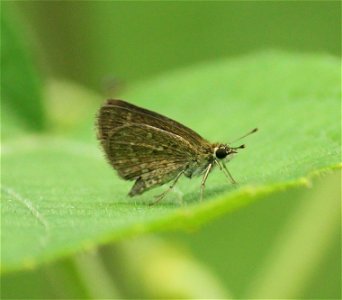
(208, 156)
(201, 162)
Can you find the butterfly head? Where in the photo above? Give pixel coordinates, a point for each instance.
(223, 150)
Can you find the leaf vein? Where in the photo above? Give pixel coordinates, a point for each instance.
(28, 204)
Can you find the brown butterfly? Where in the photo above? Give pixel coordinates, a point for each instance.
(152, 149)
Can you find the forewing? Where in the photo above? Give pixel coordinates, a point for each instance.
(116, 113)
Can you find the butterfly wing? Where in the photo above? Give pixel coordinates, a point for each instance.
(149, 155)
(145, 146)
(115, 113)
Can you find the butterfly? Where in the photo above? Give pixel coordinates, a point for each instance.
(151, 149)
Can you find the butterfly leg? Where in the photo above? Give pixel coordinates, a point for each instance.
(204, 179)
(163, 194)
(227, 173)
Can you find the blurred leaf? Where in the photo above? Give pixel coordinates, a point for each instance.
(240, 248)
(301, 245)
(61, 280)
(144, 276)
(20, 85)
(117, 272)
(126, 40)
(71, 109)
(11, 124)
(60, 196)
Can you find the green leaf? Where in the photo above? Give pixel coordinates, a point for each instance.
(60, 196)
(20, 83)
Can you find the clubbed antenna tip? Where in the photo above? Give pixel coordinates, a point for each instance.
(247, 134)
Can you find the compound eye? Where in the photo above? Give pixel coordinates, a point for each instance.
(221, 153)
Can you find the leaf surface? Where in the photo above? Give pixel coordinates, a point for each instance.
(60, 196)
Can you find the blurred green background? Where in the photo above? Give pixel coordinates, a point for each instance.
(101, 49)
(99, 43)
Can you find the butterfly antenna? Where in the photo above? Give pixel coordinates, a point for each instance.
(247, 134)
